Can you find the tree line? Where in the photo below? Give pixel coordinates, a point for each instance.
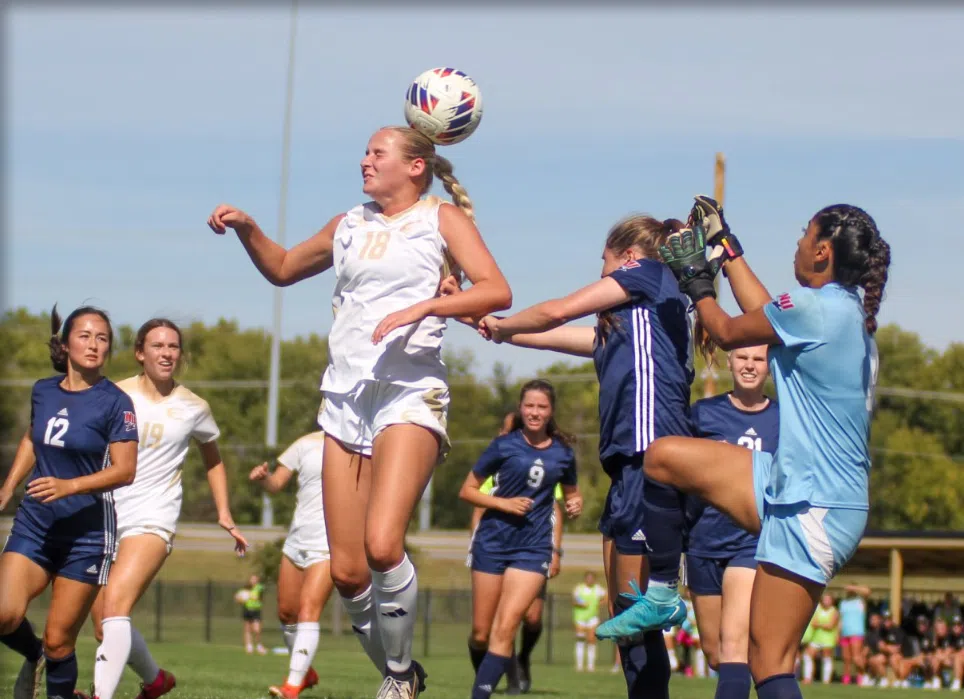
(916, 481)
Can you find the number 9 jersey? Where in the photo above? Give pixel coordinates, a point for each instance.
(520, 470)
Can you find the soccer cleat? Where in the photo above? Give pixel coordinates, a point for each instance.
(162, 684)
(311, 679)
(525, 675)
(513, 677)
(646, 614)
(28, 681)
(405, 685)
(285, 691)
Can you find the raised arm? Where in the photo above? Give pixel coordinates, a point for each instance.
(539, 326)
(489, 291)
(279, 266)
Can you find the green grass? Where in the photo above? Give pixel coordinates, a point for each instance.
(223, 671)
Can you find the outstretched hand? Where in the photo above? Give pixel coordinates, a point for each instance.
(685, 254)
(226, 216)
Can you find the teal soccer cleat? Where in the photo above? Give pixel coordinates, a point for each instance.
(660, 608)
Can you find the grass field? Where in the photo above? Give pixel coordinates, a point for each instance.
(214, 671)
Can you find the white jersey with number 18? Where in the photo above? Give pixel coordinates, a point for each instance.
(166, 430)
(384, 264)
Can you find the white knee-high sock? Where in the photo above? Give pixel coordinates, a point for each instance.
(700, 662)
(289, 631)
(306, 643)
(580, 654)
(364, 622)
(591, 657)
(396, 597)
(141, 660)
(826, 670)
(807, 667)
(112, 656)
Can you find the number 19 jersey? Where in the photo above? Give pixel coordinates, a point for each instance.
(384, 264)
(166, 430)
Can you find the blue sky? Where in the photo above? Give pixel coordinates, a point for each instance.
(124, 129)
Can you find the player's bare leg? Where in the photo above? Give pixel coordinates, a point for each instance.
(139, 559)
(70, 603)
(346, 481)
(486, 591)
(21, 580)
(403, 458)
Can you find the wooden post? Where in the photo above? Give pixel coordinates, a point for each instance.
(896, 584)
(719, 190)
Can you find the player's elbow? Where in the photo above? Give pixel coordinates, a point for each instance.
(464, 494)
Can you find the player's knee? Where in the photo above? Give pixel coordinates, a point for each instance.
(287, 615)
(350, 576)
(655, 465)
(479, 636)
(383, 551)
(768, 656)
(732, 649)
(58, 642)
(10, 619)
(98, 630)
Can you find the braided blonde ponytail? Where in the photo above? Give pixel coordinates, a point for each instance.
(460, 197)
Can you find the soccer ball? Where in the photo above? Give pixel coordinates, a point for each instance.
(444, 104)
(242, 596)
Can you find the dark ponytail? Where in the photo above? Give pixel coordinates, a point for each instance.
(874, 281)
(860, 256)
(58, 349)
(58, 335)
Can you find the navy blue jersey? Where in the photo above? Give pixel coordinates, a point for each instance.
(644, 363)
(714, 535)
(522, 470)
(71, 433)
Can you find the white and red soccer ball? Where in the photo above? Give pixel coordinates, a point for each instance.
(445, 104)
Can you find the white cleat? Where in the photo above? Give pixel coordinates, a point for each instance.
(28, 682)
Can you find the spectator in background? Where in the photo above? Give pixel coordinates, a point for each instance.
(957, 645)
(947, 609)
(826, 631)
(586, 601)
(891, 646)
(853, 621)
(943, 656)
(872, 662)
(250, 600)
(918, 649)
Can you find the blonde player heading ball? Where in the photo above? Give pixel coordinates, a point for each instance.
(304, 579)
(385, 392)
(170, 416)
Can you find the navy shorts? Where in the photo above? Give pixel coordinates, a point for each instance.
(704, 576)
(86, 563)
(496, 563)
(631, 497)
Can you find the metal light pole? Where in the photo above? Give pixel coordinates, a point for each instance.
(271, 435)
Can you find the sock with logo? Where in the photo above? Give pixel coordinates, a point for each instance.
(306, 643)
(112, 656)
(734, 681)
(396, 596)
(24, 641)
(141, 661)
(364, 623)
(489, 674)
(289, 631)
(61, 677)
(779, 687)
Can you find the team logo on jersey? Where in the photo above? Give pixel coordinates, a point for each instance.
(783, 302)
(130, 421)
(63, 412)
(632, 264)
(751, 432)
